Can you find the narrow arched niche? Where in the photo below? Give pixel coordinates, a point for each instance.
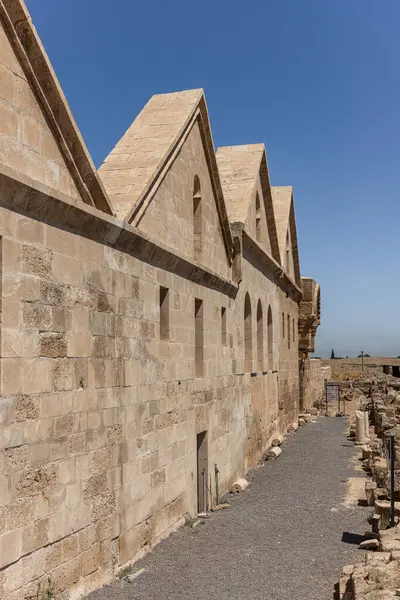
(248, 335)
(270, 334)
(260, 338)
(197, 220)
(258, 218)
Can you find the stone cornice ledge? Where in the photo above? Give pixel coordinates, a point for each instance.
(23, 195)
(269, 265)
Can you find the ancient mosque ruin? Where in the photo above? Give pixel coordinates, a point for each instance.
(154, 323)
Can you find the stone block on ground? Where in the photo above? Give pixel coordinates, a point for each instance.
(273, 453)
(371, 544)
(382, 507)
(370, 487)
(223, 506)
(277, 441)
(306, 416)
(366, 452)
(239, 486)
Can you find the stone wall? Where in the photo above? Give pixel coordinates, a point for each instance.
(99, 416)
(26, 142)
(314, 377)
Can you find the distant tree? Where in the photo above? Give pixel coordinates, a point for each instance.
(333, 354)
(363, 354)
(347, 357)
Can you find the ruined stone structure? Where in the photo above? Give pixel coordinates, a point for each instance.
(149, 325)
(312, 374)
(348, 368)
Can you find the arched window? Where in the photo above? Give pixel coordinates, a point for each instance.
(288, 331)
(287, 254)
(248, 341)
(270, 339)
(197, 220)
(258, 219)
(260, 338)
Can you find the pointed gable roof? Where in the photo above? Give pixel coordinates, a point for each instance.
(138, 156)
(28, 48)
(285, 218)
(239, 168)
(137, 165)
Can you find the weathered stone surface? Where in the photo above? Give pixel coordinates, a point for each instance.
(369, 544)
(106, 390)
(16, 458)
(370, 490)
(34, 480)
(277, 441)
(273, 453)
(26, 407)
(52, 345)
(360, 428)
(239, 486)
(307, 417)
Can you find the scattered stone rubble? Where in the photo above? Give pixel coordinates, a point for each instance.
(376, 401)
(274, 450)
(272, 453)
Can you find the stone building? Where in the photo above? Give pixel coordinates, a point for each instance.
(149, 325)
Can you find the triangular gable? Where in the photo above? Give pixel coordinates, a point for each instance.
(73, 170)
(137, 165)
(240, 167)
(286, 222)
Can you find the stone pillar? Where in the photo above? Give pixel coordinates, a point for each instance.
(366, 420)
(360, 427)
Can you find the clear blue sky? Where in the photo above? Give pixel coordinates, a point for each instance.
(318, 81)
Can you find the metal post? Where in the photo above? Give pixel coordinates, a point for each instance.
(362, 360)
(392, 457)
(326, 393)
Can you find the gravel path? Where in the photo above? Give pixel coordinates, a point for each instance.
(280, 540)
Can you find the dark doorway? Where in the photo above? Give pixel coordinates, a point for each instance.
(202, 469)
(396, 371)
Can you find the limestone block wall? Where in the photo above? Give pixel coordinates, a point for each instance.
(264, 417)
(288, 358)
(100, 415)
(256, 224)
(314, 376)
(169, 217)
(26, 143)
